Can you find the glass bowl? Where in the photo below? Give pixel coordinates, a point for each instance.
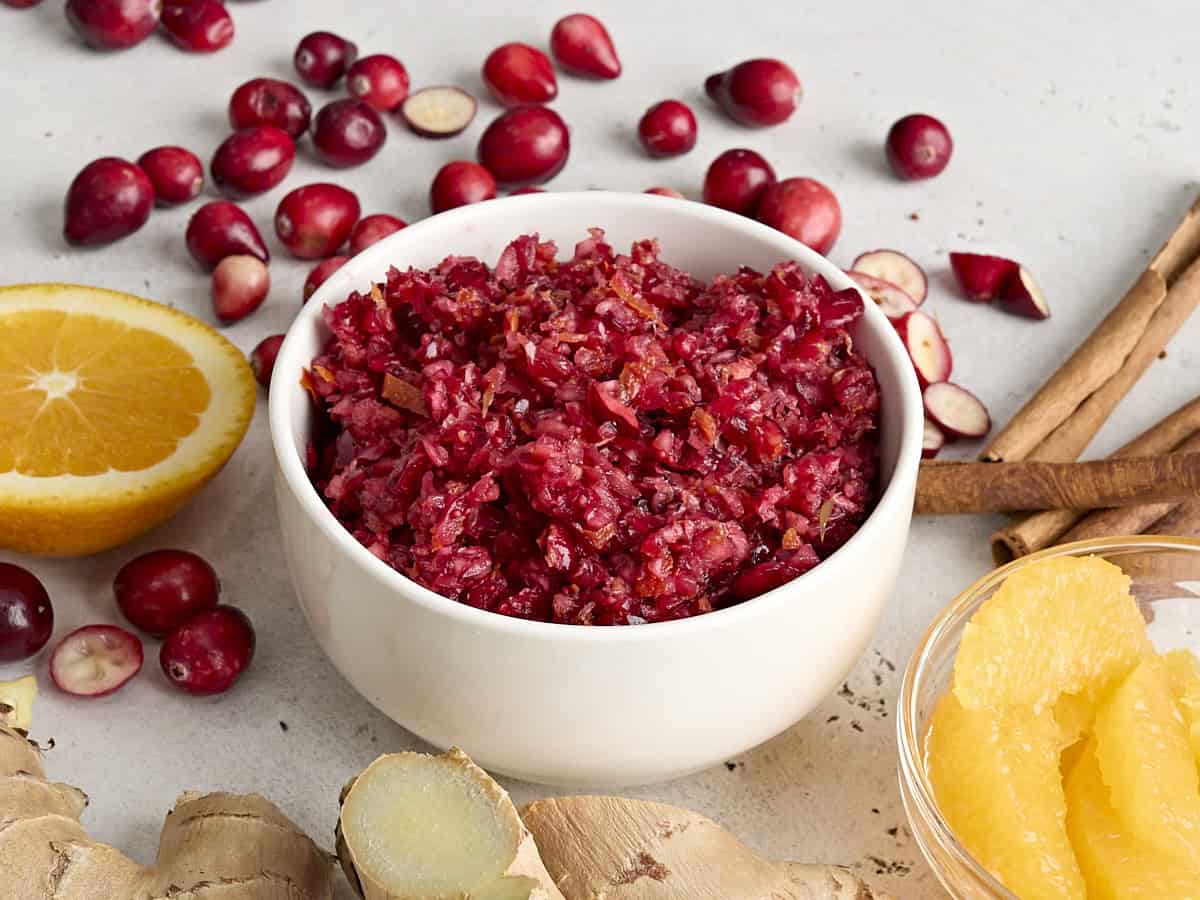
(1165, 572)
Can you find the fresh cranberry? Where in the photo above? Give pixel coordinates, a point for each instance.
(177, 174)
(159, 590)
(372, 229)
(208, 652)
(582, 46)
(240, 284)
(347, 133)
(253, 160)
(529, 143)
(529, 189)
(459, 183)
(517, 73)
(109, 199)
(26, 615)
(262, 358)
(919, 146)
(315, 220)
(736, 181)
(113, 24)
(320, 273)
(95, 660)
(323, 57)
(269, 101)
(804, 209)
(201, 26)
(220, 229)
(668, 128)
(378, 80)
(756, 92)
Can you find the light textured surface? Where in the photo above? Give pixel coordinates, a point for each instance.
(1075, 127)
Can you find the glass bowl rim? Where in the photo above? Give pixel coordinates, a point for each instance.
(913, 777)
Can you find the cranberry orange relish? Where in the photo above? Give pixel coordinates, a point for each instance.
(604, 440)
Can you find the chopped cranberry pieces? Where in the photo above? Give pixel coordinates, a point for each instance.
(601, 440)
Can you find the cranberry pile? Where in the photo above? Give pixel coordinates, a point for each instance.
(604, 440)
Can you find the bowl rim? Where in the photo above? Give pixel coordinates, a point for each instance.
(289, 464)
(914, 779)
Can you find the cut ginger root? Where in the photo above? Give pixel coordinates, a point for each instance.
(213, 846)
(418, 827)
(16, 703)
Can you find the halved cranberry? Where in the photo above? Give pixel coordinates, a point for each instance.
(253, 160)
(269, 101)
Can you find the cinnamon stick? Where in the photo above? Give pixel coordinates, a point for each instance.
(971, 487)
(1043, 529)
(1117, 351)
(1124, 519)
(1183, 520)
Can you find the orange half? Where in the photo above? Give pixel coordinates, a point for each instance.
(114, 411)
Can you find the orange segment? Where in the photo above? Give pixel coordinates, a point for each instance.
(113, 412)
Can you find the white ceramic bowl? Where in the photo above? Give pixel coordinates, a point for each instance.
(567, 704)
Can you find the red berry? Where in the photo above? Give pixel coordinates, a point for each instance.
(459, 183)
(323, 57)
(315, 220)
(529, 143)
(95, 661)
(665, 192)
(582, 46)
(668, 128)
(113, 24)
(320, 274)
(21, 4)
(526, 190)
(26, 615)
(517, 74)
(109, 199)
(736, 181)
(159, 590)
(756, 92)
(177, 174)
(347, 133)
(253, 160)
(240, 284)
(804, 209)
(262, 358)
(371, 229)
(268, 101)
(919, 146)
(220, 229)
(200, 26)
(208, 652)
(378, 80)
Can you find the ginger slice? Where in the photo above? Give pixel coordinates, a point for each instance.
(16, 702)
(419, 827)
(619, 849)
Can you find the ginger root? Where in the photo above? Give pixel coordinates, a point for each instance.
(418, 827)
(213, 846)
(16, 703)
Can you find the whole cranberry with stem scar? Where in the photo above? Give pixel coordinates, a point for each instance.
(736, 181)
(313, 221)
(526, 144)
(378, 80)
(253, 160)
(208, 652)
(668, 128)
(372, 229)
(756, 92)
(26, 615)
(323, 57)
(160, 590)
(517, 73)
(804, 209)
(177, 174)
(269, 101)
(582, 46)
(113, 24)
(199, 26)
(347, 133)
(109, 199)
(919, 146)
(220, 229)
(460, 183)
(263, 356)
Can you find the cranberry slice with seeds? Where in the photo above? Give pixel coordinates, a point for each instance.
(95, 661)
